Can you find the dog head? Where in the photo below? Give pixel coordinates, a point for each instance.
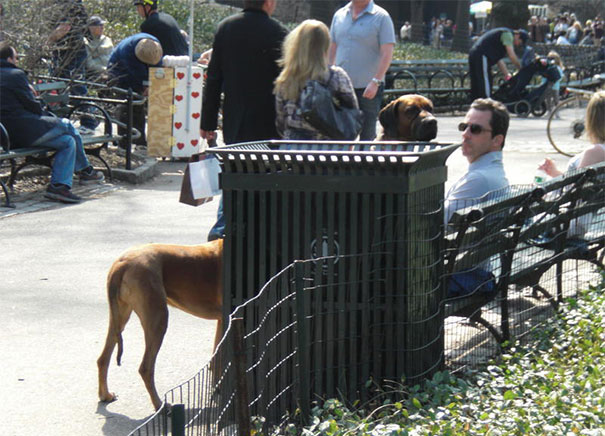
(408, 118)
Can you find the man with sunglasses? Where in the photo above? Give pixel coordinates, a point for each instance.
(483, 134)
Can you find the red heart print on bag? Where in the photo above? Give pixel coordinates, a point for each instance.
(180, 145)
(196, 75)
(180, 75)
(194, 142)
(195, 94)
(178, 125)
(196, 115)
(178, 97)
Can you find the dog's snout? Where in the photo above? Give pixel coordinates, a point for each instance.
(430, 121)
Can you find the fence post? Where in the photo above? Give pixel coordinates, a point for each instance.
(129, 130)
(178, 419)
(303, 367)
(239, 362)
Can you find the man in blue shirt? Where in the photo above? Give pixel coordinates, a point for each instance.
(363, 37)
(128, 67)
(483, 134)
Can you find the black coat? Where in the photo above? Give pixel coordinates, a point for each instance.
(20, 112)
(244, 66)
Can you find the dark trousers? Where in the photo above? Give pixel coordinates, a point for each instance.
(480, 75)
(138, 122)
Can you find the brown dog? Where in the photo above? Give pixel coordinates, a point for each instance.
(146, 279)
(408, 118)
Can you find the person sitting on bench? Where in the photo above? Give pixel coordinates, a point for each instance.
(27, 125)
(483, 134)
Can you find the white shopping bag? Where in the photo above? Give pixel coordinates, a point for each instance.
(200, 181)
(204, 176)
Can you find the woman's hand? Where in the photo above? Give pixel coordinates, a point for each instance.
(549, 167)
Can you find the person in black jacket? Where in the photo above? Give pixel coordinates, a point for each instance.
(163, 26)
(489, 50)
(243, 66)
(27, 125)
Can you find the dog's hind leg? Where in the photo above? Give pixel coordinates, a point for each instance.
(116, 326)
(153, 313)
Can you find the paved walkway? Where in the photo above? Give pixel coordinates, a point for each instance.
(53, 301)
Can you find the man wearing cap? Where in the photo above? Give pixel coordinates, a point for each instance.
(128, 67)
(490, 49)
(163, 26)
(98, 46)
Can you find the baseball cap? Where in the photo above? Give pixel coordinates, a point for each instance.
(95, 20)
(148, 51)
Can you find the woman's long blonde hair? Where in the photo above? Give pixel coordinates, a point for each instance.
(595, 118)
(305, 57)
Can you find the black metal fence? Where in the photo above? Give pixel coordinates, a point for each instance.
(447, 83)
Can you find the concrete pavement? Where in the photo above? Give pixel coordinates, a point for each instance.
(53, 302)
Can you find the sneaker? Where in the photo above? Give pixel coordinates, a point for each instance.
(89, 175)
(61, 193)
(85, 131)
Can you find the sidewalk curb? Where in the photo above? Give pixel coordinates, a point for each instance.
(138, 175)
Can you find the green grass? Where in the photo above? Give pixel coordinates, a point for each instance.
(413, 51)
(554, 385)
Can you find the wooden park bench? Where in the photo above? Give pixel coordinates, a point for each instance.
(520, 236)
(73, 107)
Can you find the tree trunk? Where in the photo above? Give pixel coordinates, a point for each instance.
(417, 7)
(513, 14)
(461, 40)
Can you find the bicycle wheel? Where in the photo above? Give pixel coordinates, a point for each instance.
(566, 126)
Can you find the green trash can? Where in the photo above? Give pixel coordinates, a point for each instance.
(372, 214)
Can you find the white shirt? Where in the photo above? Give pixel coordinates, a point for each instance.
(484, 175)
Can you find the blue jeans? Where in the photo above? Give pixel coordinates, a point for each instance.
(70, 154)
(370, 109)
(218, 229)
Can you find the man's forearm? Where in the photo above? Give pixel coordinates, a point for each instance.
(332, 53)
(386, 56)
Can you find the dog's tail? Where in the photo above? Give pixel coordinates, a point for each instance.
(114, 281)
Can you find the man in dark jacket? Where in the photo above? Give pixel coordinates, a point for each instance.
(243, 66)
(489, 50)
(163, 26)
(24, 119)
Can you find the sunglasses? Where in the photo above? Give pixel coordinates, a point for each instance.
(475, 128)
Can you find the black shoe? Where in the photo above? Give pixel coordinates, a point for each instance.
(61, 193)
(89, 175)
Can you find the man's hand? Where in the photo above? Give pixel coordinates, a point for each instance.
(60, 31)
(208, 135)
(371, 90)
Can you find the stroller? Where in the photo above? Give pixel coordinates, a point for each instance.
(518, 99)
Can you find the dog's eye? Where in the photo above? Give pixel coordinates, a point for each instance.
(412, 110)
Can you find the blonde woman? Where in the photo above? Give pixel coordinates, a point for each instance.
(595, 130)
(305, 57)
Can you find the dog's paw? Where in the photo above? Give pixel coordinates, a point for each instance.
(109, 397)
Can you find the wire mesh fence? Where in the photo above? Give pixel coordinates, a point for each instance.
(326, 326)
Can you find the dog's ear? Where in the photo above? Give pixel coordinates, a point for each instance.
(388, 118)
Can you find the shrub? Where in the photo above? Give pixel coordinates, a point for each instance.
(555, 385)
